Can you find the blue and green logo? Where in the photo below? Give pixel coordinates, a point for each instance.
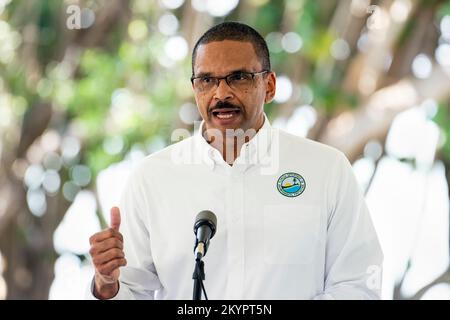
(291, 184)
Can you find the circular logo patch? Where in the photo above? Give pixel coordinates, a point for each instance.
(291, 184)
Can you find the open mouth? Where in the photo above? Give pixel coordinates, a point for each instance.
(226, 113)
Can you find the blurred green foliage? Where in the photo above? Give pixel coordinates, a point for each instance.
(130, 68)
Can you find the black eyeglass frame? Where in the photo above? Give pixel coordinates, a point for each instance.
(226, 78)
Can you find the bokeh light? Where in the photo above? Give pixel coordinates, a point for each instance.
(442, 55)
(291, 42)
(399, 10)
(373, 150)
(220, 8)
(81, 175)
(303, 119)
(172, 4)
(189, 113)
(70, 148)
(168, 24)
(284, 89)
(422, 66)
(34, 176)
(340, 50)
(113, 145)
(274, 42)
(36, 201)
(87, 18)
(445, 27)
(176, 48)
(70, 190)
(51, 182)
(137, 30)
(52, 161)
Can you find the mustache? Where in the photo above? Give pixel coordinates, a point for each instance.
(223, 105)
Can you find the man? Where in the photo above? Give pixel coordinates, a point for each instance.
(291, 220)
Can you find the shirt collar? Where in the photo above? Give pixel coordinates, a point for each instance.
(252, 152)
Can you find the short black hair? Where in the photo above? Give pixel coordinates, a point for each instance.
(237, 31)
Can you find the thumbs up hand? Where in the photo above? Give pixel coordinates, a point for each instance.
(108, 256)
(115, 218)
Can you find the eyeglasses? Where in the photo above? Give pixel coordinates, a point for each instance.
(239, 81)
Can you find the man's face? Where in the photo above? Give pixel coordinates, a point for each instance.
(223, 107)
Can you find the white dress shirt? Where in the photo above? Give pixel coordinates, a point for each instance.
(316, 243)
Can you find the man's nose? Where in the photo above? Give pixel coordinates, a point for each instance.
(223, 91)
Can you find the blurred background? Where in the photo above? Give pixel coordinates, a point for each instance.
(88, 88)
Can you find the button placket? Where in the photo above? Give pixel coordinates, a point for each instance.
(235, 211)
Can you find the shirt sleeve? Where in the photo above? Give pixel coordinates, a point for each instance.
(353, 253)
(138, 279)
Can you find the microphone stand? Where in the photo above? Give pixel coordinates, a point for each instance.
(198, 276)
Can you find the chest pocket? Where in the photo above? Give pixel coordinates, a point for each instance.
(291, 234)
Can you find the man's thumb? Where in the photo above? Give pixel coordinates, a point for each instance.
(115, 218)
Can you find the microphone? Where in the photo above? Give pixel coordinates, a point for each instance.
(204, 229)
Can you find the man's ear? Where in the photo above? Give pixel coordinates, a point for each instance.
(271, 86)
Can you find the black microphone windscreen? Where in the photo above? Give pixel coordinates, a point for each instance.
(206, 215)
